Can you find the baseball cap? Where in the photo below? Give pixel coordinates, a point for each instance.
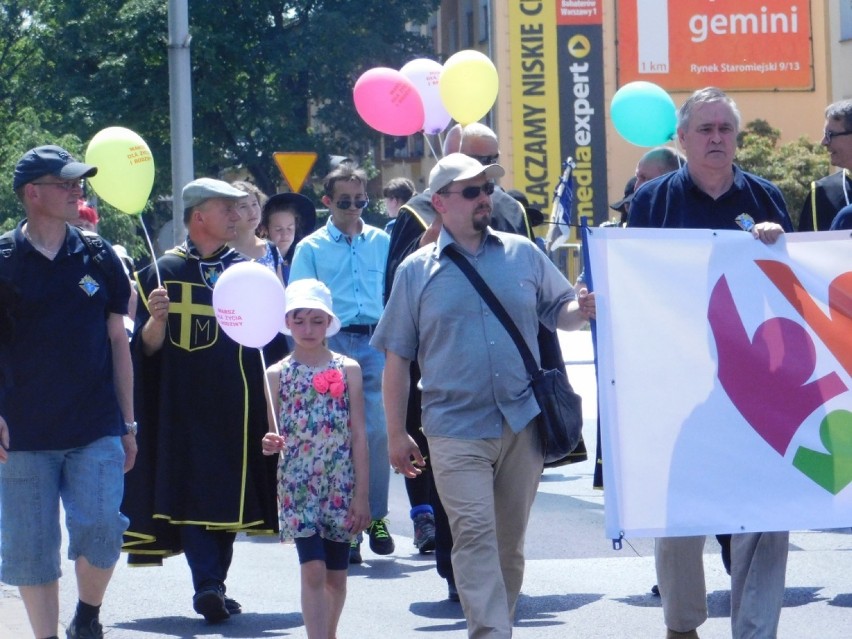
(49, 160)
(458, 166)
(310, 293)
(628, 195)
(202, 189)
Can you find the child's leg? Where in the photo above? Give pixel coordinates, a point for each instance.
(313, 577)
(335, 591)
(337, 565)
(315, 611)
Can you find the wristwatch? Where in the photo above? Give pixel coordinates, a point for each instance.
(131, 428)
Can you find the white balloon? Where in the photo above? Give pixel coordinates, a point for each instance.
(425, 75)
(248, 300)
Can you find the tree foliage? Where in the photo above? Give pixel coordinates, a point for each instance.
(266, 76)
(791, 167)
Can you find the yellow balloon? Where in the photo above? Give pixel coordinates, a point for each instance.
(125, 168)
(468, 85)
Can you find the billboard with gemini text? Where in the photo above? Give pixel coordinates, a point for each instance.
(682, 45)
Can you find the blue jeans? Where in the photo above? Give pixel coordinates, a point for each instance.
(90, 482)
(372, 364)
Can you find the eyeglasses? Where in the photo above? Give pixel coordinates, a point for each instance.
(486, 159)
(472, 192)
(65, 186)
(345, 204)
(830, 135)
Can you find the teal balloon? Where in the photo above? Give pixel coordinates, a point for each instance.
(643, 114)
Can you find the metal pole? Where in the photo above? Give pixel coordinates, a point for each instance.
(180, 109)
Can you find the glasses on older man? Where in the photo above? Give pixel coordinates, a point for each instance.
(65, 186)
(830, 135)
(485, 160)
(472, 192)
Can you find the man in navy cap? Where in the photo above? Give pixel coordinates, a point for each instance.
(201, 475)
(65, 296)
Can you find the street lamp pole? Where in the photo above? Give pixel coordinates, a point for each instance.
(180, 109)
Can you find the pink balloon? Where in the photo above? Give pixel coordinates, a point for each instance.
(388, 101)
(425, 74)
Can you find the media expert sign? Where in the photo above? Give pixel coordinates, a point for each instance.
(579, 38)
(558, 44)
(726, 43)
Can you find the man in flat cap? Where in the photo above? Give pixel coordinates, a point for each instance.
(478, 408)
(66, 385)
(201, 476)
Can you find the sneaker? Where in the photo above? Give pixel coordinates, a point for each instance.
(424, 532)
(381, 541)
(355, 552)
(210, 603)
(452, 591)
(233, 606)
(93, 631)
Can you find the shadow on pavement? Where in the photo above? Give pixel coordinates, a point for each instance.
(242, 626)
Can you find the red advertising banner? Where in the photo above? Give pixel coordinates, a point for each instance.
(733, 44)
(574, 12)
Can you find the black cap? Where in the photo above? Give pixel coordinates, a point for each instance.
(534, 215)
(50, 160)
(628, 195)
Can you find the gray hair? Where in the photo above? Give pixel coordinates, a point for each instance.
(840, 111)
(708, 95)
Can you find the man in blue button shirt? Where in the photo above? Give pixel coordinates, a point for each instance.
(710, 192)
(349, 257)
(478, 408)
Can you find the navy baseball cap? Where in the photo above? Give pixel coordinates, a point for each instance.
(50, 160)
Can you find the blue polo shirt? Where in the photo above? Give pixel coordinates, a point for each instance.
(61, 393)
(353, 269)
(675, 201)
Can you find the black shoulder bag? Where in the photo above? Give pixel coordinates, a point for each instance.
(560, 423)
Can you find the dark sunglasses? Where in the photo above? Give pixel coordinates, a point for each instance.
(830, 135)
(358, 204)
(485, 159)
(472, 192)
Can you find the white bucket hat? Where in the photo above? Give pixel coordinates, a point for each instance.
(310, 294)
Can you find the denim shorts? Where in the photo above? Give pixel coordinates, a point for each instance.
(90, 482)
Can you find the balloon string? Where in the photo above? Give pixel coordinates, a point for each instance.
(151, 248)
(269, 393)
(431, 148)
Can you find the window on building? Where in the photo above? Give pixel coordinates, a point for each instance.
(484, 21)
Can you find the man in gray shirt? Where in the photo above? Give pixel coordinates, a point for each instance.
(478, 408)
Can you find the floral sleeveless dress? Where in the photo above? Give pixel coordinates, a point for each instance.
(315, 474)
(272, 258)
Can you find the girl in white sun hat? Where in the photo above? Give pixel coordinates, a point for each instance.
(318, 403)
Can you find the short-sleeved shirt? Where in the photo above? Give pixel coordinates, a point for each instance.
(473, 377)
(675, 201)
(62, 393)
(353, 270)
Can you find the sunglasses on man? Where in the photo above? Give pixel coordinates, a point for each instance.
(472, 192)
(345, 204)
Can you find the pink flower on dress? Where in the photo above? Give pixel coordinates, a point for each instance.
(329, 381)
(321, 383)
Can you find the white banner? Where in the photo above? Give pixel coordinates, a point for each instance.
(725, 380)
